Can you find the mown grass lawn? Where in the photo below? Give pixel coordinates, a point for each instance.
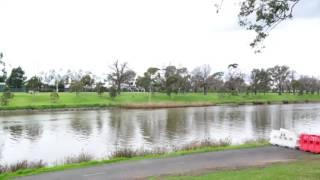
(91, 99)
(300, 170)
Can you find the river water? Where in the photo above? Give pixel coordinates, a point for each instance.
(52, 136)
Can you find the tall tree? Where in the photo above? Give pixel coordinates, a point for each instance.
(16, 78)
(170, 81)
(120, 74)
(34, 83)
(215, 81)
(3, 72)
(308, 85)
(201, 75)
(184, 80)
(100, 89)
(149, 80)
(87, 81)
(279, 75)
(76, 83)
(54, 78)
(235, 79)
(260, 80)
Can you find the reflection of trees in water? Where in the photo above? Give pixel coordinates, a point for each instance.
(16, 131)
(306, 118)
(176, 123)
(99, 121)
(81, 123)
(126, 128)
(281, 116)
(153, 125)
(203, 119)
(260, 121)
(2, 141)
(33, 131)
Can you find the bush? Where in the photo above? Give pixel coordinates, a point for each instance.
(6, 96)
(113, 92)
(4, 101)
(285, 102)
(54, 97)
(100, 89)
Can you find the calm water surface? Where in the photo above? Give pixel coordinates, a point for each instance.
(52, 136)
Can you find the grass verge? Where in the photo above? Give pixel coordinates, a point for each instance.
(126, 155)
(304, 169)
(41, 101)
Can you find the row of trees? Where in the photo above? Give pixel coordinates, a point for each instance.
(278, 79)
(170, 79)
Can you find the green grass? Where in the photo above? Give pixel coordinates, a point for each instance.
(27, 172)
(300, 170)
(140, 100)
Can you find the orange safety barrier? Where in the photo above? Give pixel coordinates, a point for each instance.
(310, 143)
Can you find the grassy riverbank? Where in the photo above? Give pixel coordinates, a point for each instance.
(144, 100)
(304, 169)
(132, 156)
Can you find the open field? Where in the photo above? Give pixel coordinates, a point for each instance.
(144, 100)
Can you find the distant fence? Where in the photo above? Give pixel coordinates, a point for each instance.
(23, 89)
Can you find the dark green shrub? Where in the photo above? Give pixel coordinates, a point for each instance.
(100, 89)
(54, 97)
(6, 96)
(113, 92)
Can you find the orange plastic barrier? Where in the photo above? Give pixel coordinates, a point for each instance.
(310, 143)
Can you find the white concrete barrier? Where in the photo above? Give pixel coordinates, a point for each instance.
(284, 138)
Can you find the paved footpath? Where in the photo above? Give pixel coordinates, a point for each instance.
(193, 163)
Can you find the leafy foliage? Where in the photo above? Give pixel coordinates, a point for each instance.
(3, 72)
(260, 80)
(150, 80)
(16, 78)
(279, 75)
(120, 74)
(113, 92)
(6, 96)
(100, 89)
(54, 97)
(262, 16)
(87, 81)
(34, 83)
(76, 86)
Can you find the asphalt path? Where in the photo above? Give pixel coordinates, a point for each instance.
(187, 164)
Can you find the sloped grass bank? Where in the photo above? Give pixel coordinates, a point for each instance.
(91, 100)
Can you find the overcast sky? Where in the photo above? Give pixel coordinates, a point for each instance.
(90, 34)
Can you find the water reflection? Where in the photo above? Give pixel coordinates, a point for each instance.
(52, 136)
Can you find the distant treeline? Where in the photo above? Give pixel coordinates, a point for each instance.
(170, 79)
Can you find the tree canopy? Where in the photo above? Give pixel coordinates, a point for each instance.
(16, 78)
(3, 72)
(120, 74)
(261, 16)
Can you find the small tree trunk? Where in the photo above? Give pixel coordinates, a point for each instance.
(119, 88)
(205, 90)
(57, 87)
(280, 90)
